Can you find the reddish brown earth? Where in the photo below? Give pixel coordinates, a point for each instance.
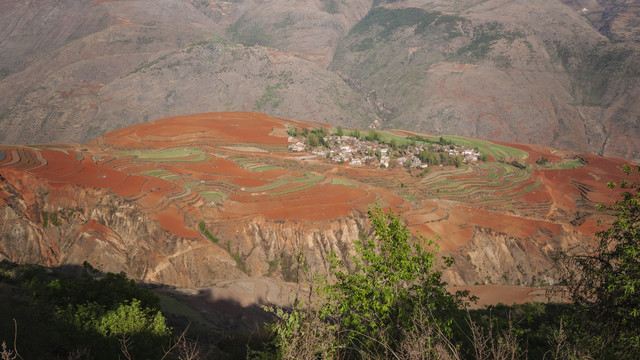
(143, 192)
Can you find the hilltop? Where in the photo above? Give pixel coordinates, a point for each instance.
(203, 200)
(554, 73)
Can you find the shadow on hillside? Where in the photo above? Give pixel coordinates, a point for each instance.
(222, 323)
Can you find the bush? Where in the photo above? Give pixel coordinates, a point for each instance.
(604, 283)
(58, 315)
(393, 275)
(542, 161)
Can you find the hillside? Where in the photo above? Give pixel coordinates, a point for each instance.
(557, 73)
(193, 200)
(514, 71)
(127, 62)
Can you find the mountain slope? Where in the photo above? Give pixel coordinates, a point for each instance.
(559, 73)
(133, 61)
(504, 70)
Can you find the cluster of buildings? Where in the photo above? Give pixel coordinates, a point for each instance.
(355, 151)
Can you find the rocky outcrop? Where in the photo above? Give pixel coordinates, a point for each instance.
(57, 227)
(493, 257)
(292, 250)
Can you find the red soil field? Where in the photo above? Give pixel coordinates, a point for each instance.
(222, 182)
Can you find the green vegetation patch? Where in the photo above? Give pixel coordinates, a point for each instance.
(565, 164)
(88, 312)
(249, 34)
(272, 96)
(168, 155)
(210, 195)
(311, 178)
(163, 174)
(270, 186)
(484, 37)
(343, 182)
(389, 20)
(203, 228)
(499, 152)
(252, 166)
(295, 189)
(264, 168)
(598, 70)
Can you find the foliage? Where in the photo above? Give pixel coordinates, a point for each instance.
(605, 283)
(272, 96)
(392, 276)
(597, 70)
(250, 34)
(61, 314)
(484, 37)
(292, 131)
(542, 161)
(373, 136)
(389, 20)
(516, 163)
(316, 137)
(331, 6)
(299, 334)
(437, 157)
(206, 232)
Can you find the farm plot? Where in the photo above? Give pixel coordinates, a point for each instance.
(252, 165)
(208, 191)
(182, 155)
(162, 174)
(493, 184)
(498, 151)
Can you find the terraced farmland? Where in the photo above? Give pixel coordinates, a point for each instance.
(235, 168)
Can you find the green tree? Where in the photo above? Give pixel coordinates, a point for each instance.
(313, 140)
(542, 161)
(393, 275)
(605, 283)
(459, 161)
(339, 131)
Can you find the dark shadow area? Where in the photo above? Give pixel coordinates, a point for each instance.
(78, 312)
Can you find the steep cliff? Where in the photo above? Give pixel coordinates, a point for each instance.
(54, 226)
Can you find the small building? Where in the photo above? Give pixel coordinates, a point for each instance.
(299, 146)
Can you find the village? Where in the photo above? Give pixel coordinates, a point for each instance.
(370, 150)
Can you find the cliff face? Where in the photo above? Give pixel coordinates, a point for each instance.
(289, 249)
(54, 226)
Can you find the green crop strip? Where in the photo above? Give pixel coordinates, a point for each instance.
(163, 174)
(343, 182)
(289, 191)
(168, 155)
(311, 178)
(271, 186)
